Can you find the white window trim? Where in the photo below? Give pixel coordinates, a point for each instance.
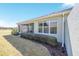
(48, 28)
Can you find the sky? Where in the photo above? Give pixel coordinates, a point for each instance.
(12, 13)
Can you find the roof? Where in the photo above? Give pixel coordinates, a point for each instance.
(51, 14)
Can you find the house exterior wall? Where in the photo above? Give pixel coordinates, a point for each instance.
(35, 27)
(67, 38)
(59, 28)
(73, 27)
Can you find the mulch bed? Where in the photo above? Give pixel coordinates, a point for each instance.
(56, 51)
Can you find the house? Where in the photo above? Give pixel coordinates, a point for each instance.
(55, 24)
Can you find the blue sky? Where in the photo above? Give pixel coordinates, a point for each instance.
(11, 13)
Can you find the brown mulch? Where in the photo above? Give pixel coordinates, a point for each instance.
(56, 51)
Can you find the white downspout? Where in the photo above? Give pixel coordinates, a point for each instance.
(63, 32)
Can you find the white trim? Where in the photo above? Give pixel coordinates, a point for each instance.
(55, 35)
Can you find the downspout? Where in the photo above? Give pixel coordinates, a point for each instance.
(63, 41)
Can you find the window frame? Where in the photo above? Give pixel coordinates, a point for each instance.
(55, 30)
(47, 27)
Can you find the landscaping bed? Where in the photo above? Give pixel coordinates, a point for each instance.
(54, 47)
(41, 38)
(56, 51)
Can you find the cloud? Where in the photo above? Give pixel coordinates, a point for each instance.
(6, 24)
(67, 5)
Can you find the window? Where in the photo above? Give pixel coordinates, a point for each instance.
(53, 27)
(46, 27)
(40, 27)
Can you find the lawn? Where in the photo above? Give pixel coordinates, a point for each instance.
(6, 49)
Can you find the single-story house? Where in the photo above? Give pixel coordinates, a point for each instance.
(54, 24)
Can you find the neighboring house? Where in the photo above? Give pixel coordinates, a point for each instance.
(55, 24)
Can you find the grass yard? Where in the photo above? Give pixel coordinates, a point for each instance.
(6, 49)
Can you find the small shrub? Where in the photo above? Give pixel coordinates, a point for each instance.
(52, 40)
(41, 38)
(14, 32)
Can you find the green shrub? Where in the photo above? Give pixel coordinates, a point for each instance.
(52, 40)
(41, 38)
(14, 32)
